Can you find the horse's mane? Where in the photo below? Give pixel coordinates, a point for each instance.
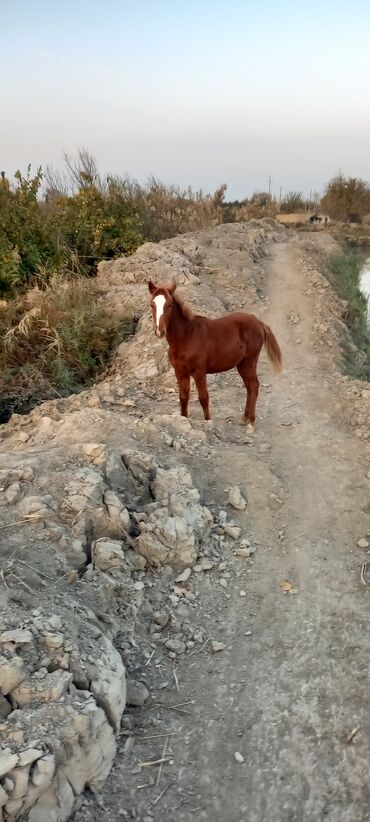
(184, 309)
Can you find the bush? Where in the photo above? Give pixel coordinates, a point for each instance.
(292, 202)
(25, 241)
(260, 204)
(346, 198)
(54, 341)
(166, 211)
(343, 271)
(81, 218)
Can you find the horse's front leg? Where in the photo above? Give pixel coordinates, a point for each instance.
(201, 383)
(184, 392)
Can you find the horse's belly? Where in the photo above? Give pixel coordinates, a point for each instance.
(218, 370)
(225, 361)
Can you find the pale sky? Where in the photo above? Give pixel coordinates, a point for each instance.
(196, 92)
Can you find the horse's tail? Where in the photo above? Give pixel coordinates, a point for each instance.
(273, 349)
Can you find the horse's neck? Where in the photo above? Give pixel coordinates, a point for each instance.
(178, 326)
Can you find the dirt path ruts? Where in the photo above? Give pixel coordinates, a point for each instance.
(293, 680)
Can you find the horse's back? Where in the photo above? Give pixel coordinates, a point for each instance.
(248, 325)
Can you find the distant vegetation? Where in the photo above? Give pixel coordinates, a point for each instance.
(262, 204)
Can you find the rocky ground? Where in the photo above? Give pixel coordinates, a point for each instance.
(184, 607)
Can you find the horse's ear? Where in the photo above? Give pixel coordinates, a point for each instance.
(172, 288)
(151, 286)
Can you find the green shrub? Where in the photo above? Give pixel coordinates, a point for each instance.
(343, 271)
(73, 219)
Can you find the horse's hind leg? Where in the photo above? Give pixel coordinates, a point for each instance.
(248, 371)
(201, 383)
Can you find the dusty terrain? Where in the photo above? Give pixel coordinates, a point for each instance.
(247, 676)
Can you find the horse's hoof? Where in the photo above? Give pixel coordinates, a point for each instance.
(250, 428)
(209, 423)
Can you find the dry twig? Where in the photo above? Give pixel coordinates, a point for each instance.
(163, 760)
(151, 762)
(158, 797)
(353, 733)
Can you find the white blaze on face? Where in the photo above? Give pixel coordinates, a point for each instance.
(159, 303)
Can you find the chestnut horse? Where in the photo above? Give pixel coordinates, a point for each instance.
(199, 346)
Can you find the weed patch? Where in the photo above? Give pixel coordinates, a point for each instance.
(54, 341)
(343, 272)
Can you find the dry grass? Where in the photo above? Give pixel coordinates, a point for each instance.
(166, 211)
(53, 340)
(297, 218)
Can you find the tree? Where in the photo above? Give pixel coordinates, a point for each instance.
(292, 202)
(346, 198)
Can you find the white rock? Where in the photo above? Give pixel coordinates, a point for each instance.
(15, 474)
(177, 646)
(363, 543)
(243, 552)
(13, 493)
(95, 452)
(54, 623)
(184, 576)
(29, 756)
(236, 499)
(3, 797)
(85, 491)
(12, 672)
(116, 510)
(171, 538)
(8, 761)
(42, 687)
(233, 531)
(44, 770)
(109, 683)
(38, 507)
(19, 777)
(217, 646)
(53, 641)
(204, 564)
(13, 808)
(134, 561)
(19, 636)
(238, 757)
(107, 554)
(137, 693)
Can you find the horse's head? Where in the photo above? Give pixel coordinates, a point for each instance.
(161, 303)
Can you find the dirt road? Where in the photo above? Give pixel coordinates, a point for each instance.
(292, 683)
